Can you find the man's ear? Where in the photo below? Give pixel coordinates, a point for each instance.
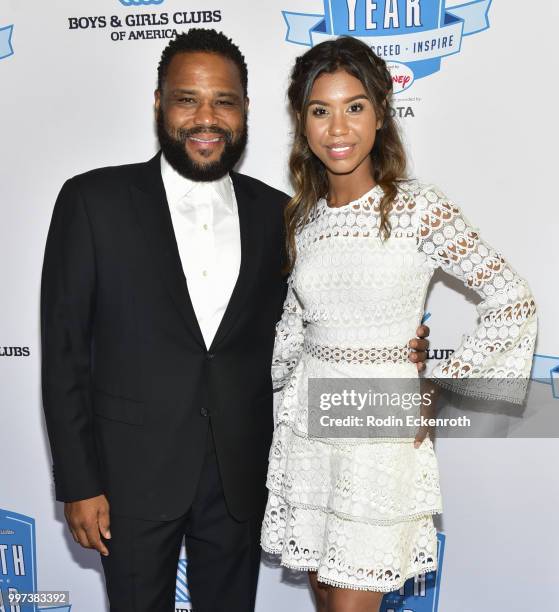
(247, 103)
(157, 101)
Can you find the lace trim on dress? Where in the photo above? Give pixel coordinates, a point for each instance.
(511, 390)
(380, 354)
(398, 583)
(408, 518)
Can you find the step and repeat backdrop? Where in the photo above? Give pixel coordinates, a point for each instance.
(476, 98)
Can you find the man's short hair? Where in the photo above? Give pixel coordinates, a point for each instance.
(202, 40)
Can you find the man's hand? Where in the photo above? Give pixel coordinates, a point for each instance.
(88, 519)
(420, 346)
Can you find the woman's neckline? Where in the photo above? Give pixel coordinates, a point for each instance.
(365, 196)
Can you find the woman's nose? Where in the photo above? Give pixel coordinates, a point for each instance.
(338, 124)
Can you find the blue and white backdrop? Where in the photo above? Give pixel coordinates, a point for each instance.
(477, 101)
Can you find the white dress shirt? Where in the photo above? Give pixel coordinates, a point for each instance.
(206, 224)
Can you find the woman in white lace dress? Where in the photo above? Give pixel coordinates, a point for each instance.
(363, 245)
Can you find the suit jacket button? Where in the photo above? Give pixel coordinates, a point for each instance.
(210, 355)
(203, 411)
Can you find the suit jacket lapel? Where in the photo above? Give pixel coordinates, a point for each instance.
(251, 244)
(148, 195)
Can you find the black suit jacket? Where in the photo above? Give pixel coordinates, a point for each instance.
(128, 383)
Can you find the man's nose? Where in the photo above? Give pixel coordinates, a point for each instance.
(205, 115)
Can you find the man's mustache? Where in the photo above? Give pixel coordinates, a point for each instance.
(183, 134)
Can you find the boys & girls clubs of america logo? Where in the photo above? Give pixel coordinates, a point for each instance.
(412, 36)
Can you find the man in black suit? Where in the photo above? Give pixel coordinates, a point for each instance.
(157, 396)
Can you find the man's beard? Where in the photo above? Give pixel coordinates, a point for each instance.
(175, 152)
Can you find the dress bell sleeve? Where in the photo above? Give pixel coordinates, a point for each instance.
(288, 344)
(494, 361)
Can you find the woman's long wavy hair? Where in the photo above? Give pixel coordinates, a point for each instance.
(308, 173)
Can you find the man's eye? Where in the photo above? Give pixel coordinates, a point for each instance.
(225, 103)
(355, 108)
(186, 100)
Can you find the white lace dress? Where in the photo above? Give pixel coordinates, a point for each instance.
(361, 513)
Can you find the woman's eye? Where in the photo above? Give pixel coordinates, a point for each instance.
(355, 108)
(319, 112)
